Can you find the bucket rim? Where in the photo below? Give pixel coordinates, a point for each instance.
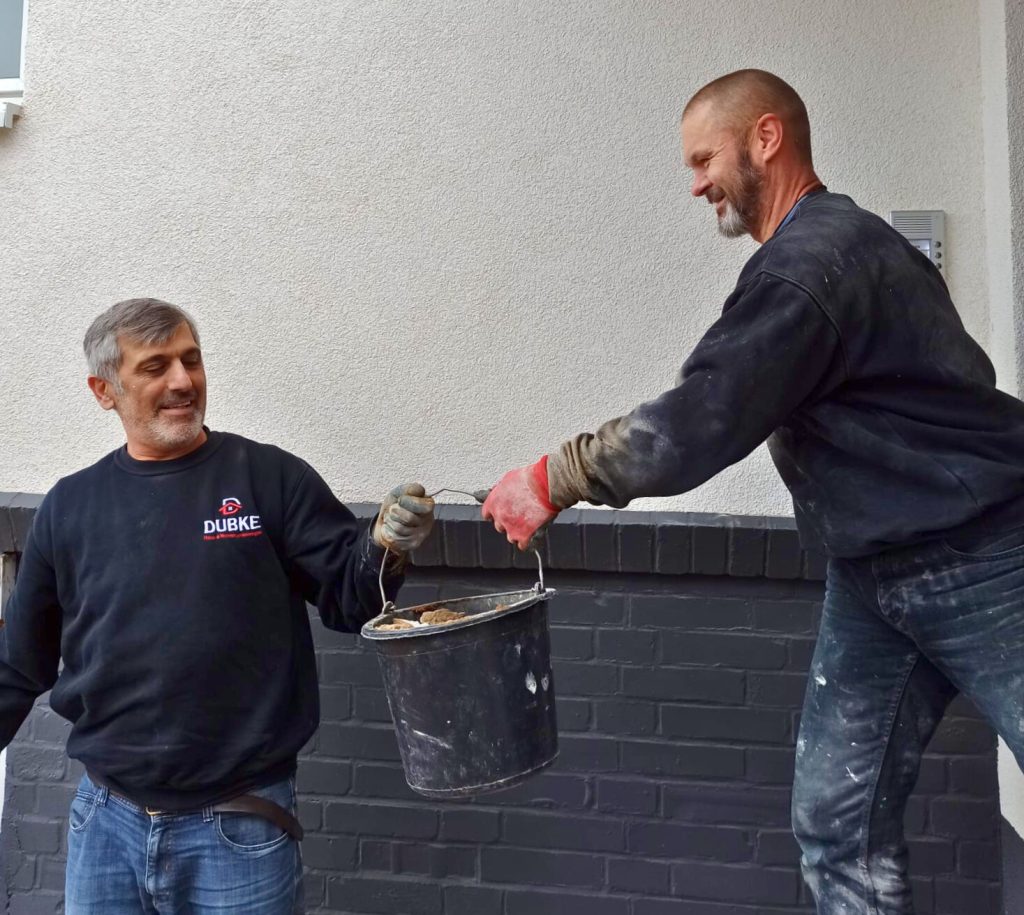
(500, 784)
(518, 600)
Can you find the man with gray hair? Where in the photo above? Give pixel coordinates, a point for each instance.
(171, 579)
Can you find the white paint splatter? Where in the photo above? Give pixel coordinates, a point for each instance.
(854, 777)
(430, 739)
(531, 683)
(820, 680)
(544, 681)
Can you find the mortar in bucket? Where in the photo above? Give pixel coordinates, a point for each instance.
(472, 698)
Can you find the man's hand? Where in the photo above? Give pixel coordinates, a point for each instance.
(405, 520)
(520, 504)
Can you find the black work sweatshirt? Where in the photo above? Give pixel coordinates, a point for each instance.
(175, 593)
(840, 346)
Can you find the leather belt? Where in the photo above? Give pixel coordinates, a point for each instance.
(244, 803)
(261, 807)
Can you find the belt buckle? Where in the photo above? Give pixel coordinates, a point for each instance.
(152, 812)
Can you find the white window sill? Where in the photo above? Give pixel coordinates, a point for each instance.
(10, 107)
(9, 110)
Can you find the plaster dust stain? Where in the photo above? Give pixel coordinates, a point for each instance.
(394, 626)
(441, 616)
(434, 740)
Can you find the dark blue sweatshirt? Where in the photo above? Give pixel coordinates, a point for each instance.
(175, 593)
(841, 347)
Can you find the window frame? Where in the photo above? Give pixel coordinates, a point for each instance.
(15, 85)
(12, 88)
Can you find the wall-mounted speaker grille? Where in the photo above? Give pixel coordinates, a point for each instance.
(926, 230)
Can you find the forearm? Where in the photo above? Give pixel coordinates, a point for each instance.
(29, 640)
(360, 598)
(599, 468)
(17, 697)
(630, 457)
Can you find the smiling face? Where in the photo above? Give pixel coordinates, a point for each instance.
(723, 172)
(159, 395)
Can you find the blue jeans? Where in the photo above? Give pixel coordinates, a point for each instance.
(901, 634)
(123, 861)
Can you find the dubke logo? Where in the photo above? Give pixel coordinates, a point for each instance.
(231, 524)
(229, 506)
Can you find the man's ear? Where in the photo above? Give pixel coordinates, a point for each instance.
(767, 138)
(102, 391)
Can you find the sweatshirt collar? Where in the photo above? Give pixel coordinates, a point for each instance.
(156, 468)
(796, 206)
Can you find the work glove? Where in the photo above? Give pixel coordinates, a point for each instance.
(520, 504)
(405, 520)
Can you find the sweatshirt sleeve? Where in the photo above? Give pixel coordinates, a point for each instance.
(31, 634)
(773, 348)
(332, 558)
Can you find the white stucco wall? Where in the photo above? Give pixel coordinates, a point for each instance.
(426, 239)
(1004, 321)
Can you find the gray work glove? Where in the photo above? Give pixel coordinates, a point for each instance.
(405, 520)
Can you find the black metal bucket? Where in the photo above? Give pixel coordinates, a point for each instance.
(473, 700)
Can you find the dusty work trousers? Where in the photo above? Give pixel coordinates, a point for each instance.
(124, 861)
(901, 633)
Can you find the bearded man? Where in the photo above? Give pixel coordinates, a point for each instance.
(840, 346)
(171, 578)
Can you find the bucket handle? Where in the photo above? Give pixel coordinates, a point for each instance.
(390, 605)
(480, 495)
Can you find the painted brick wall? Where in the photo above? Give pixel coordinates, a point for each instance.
(681, 646)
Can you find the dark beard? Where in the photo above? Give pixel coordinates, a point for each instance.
(746, 204)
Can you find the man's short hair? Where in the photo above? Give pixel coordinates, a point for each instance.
(145, 321)
(741, 97)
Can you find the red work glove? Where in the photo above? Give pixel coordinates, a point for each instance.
(520, 504)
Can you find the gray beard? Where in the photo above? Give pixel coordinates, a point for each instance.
(742, 214)
(178, 434)
(732, 225)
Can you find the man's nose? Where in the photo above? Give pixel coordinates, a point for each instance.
(700, 185)
(178, 376)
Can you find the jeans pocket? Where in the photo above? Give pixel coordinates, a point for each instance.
(251, 834)
(82, 809)
(987, 545)
(247, 833)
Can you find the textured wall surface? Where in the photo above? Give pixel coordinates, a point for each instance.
(681, 646)
(1004, 318)
(432, 239)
